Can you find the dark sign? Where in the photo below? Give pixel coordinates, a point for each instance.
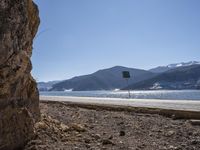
(126, 74)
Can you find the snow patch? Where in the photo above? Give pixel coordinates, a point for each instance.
(156, 86)
(182, 64)
(68, 90)
(116, 90)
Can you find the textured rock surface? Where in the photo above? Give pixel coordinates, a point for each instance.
(19, 98)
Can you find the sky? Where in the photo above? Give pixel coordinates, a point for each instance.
(78, 37)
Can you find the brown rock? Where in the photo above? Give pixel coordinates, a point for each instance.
(97, 136)
(122, 133)
(64, 127)
(19, 98)
(78, 127)
(195, 122)
(41, 125)
(107, 142)
(169, 133)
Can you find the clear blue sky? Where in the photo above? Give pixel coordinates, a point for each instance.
(78, 37)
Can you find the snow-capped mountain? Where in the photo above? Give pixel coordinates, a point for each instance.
(179, 78)
(162, 69)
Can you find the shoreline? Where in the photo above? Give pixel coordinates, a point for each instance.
(185, 105)
(174, 114)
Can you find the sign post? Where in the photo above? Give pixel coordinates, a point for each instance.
(126, 76)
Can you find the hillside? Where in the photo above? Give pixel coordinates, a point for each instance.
(106, 79)
(161, 69)
(179, 78)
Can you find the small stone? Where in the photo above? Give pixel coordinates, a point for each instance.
(196, 134)
(194, 142)
(171, 147)
(107, 142)
(87, 140)
(122, 133)
(195, 122)
(174, 117)
(78, 127)
(35, 142)
(190, 133)
(183, 145)
(87, 146)
(98, 144)
(154, 143)
(56, 121)
(111, 137)
(170, 133)
(120, 123)
(41, 125)
(97, 136)
(64, 127)
(79, 135)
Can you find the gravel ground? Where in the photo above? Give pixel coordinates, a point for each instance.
(64, 127)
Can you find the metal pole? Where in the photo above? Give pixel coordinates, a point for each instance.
(129, 94)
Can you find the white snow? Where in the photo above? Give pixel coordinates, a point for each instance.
(182, 64)
(179, 65)
(68, 90)
(156, 86)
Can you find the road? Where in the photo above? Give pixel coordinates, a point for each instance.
(149, 103)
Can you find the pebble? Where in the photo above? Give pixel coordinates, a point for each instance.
(97, 136)
(194, 142)
(41, 125)
(79, 135)
(171, 147)
(87, 146)
(64, 127)
(169, 133)
(111, 137)
(87, 140)
(78, 127)
(122, 133)
(76, 148)
(107, 142)
(195, 122)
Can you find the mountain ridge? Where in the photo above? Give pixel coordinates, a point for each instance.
(111, 78)
(187, 77)
(161, 69)
(104, 79)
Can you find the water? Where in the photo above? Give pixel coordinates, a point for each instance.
(158, 94)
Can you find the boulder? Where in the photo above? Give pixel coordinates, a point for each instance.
(19, 97)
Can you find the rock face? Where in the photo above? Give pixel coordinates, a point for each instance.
(19, 98)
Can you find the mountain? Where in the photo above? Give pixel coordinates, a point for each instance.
(187, 77)
(45, 86)
(106, 79)
(162, 69)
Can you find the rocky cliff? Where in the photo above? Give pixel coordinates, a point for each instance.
(19, 98)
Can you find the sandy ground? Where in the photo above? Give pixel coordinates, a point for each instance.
(150, 103)
(64, 127)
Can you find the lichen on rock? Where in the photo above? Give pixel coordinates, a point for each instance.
(19, 97)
